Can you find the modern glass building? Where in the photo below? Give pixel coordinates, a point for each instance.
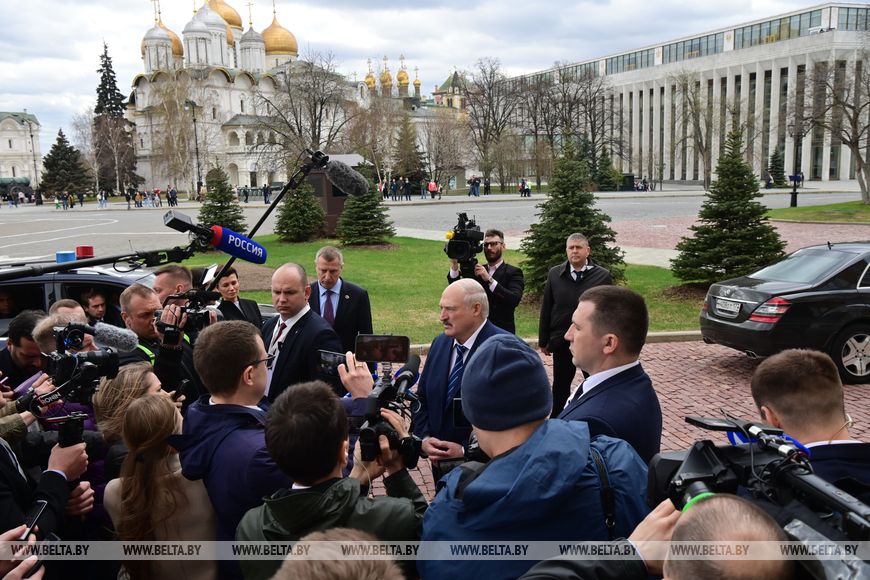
(754, 73)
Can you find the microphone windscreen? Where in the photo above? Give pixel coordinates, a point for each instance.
(123, 339)
(346, 178)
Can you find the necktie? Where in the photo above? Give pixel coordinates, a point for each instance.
(328, 312)
(455, 380)
(277, 335)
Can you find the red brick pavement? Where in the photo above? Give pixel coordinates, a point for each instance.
(693, 378)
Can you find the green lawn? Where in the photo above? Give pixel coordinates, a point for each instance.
(848, 212)
(405, 282)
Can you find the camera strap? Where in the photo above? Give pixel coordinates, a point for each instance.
(607, 503)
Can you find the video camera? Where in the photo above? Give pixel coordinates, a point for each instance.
(388, 393)
(464, 242)
(776, 473)
(195, 307)
(76, 375)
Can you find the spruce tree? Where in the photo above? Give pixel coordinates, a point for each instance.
(734, 237)
(110, 101)
(63, 169)
(606, 176)
(776, 169)
(221, 207)
(300, 217)
(570, 208)
(365, 220)
(408, 159)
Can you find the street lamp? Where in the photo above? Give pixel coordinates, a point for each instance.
(797, 128)
(37, 197)
(191, 106)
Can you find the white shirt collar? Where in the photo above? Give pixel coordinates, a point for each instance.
(493, 267)
(469, 344)
(336, 288)
(594, 380)
(834, 442)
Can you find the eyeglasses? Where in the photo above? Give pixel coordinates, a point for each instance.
(268, 360)
(488, 244)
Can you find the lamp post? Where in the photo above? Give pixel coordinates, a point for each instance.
(191, 105)
(796, 130)
(37, 198)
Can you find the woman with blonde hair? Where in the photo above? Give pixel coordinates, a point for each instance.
(152, 501)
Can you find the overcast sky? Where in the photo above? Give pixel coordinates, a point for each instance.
(49, 49)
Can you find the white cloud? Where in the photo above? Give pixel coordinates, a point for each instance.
(50, 49)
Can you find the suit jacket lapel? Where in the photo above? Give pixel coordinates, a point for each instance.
(612, 382)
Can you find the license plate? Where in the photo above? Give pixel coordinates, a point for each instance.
(727, 307)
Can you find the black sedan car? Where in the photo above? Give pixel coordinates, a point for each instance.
(817, 298)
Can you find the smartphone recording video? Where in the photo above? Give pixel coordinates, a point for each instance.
(382, 348)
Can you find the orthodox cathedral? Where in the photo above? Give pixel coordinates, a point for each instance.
(212, 76)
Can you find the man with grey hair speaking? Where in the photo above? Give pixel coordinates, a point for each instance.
(464, 309)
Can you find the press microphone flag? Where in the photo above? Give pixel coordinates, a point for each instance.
(234, 244)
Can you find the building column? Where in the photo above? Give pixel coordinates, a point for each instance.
(789, 118)
(775, 80)
(635, 163)
(759, 164)
(666, 123)
(656, 128)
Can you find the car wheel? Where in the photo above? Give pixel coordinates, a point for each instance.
(851, 352)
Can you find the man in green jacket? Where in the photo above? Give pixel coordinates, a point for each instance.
(306, 434)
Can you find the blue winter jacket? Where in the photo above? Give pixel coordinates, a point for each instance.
(225, 446)
(547, 489)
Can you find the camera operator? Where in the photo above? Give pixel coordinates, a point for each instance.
(799, 391)
(718, 518)
(172, 279)
(464, 310)
(169, 352)
(546, 479)
(307, 434)
(503, 283)
(21, 358)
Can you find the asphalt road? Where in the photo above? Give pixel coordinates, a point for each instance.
(32, 233)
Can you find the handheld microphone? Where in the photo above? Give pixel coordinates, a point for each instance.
(121, 339)
(237, 245)
(407, 376)
(346, 178)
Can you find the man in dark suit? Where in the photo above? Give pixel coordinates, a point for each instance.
(233, 307)
(607, 332)
(566, 283)
(98, 308)
(296, 334)
(343, 305)
(464, 309)
(799, 391)
(503, 283)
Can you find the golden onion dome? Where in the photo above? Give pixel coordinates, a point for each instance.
(177, 47)
(402, 77)
(417, 82)
(386, 78)
(230, 39)
(227, 12)
(370, 80)
(279, 40)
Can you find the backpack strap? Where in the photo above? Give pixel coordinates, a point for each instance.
(607, 502)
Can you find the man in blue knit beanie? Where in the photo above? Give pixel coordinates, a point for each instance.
(542, 482)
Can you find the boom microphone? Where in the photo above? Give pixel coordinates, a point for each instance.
(237, 245)
(346, 178)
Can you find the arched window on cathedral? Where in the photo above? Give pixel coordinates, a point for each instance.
(234, 139)
(249, 138)
(260, 140)
(214, 113)
(272, 139)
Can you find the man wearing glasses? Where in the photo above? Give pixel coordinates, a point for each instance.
(503, 283)
(223, 441)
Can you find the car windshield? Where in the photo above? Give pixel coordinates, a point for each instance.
(804, 266)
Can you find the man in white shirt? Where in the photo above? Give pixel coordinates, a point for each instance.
(296, 334)
(608, 330)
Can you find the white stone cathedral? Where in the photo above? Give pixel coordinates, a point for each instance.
(222, 68)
